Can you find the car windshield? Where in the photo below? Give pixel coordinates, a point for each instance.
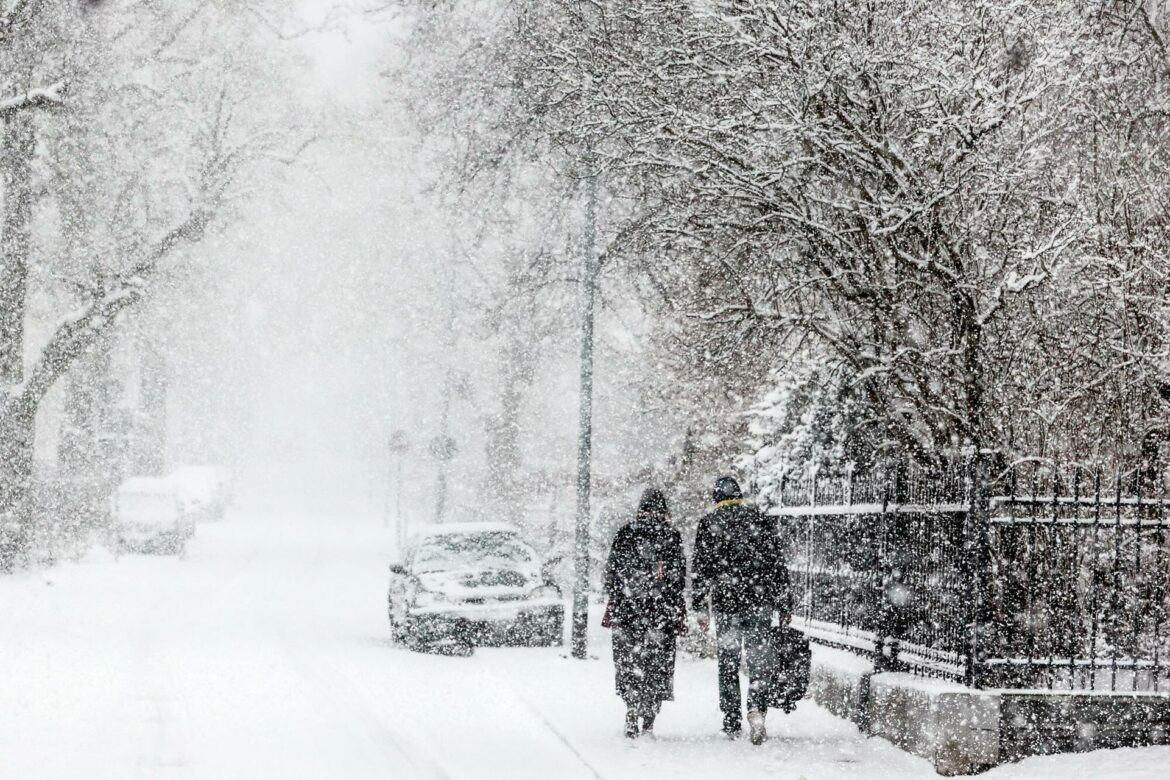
(446, 552)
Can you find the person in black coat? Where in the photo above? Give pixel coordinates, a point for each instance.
(645, 577)
(740, 575)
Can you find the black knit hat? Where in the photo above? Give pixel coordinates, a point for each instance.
(653, 504)
(726, 488)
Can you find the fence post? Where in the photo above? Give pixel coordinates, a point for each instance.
(892, 493)
(977, 541)
(895, 621)
(900, 477)
(878, 576)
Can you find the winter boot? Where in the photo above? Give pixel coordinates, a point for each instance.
(731, 725)
(649, 713)
(756, 723)
(632, 723)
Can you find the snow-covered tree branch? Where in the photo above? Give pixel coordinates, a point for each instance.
(897, 189)
(52, 96)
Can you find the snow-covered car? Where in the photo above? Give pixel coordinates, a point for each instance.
(204, 491)
(474, 583)
(148, 517)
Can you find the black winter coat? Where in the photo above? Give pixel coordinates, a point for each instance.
(738, 561)
(646, 575)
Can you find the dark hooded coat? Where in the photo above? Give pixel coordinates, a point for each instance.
(646, 574)
(645, 577)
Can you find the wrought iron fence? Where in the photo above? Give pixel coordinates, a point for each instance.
(1036, 577)
(1082, 598)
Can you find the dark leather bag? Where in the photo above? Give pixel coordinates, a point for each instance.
(789, 667)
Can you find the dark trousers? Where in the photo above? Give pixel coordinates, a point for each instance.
(742, 635)
(643, 660)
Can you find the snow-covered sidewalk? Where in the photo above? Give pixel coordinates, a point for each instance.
(265, 654)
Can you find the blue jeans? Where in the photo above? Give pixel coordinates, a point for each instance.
(740, 634)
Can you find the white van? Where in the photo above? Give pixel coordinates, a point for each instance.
(148, 517)
(204, 491)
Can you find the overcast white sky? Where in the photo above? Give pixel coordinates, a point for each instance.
(314, 326)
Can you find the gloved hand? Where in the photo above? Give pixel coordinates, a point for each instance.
(780, 618)
(607, 618)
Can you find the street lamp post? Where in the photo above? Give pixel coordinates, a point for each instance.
(585, 420)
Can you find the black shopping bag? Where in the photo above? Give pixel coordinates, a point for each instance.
(789, 667)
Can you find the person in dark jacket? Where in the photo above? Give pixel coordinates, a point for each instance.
(645, 577)
(740, 575)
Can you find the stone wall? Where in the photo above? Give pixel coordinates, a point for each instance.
(1055, 722)
(961, 731)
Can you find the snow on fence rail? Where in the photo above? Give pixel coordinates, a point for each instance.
(1041, 578)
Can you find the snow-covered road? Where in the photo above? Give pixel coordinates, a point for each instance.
(265, 654)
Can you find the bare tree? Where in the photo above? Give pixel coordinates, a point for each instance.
(138, 170)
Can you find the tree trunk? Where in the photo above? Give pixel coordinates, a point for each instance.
(503, 446)
(17, 146)
(970, 337)
(151, 434)
(90, 400)
(17, 430)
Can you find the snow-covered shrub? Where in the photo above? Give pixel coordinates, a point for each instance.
(811, 418)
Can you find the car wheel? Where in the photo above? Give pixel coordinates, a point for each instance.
(399, 634)
(551, 635)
